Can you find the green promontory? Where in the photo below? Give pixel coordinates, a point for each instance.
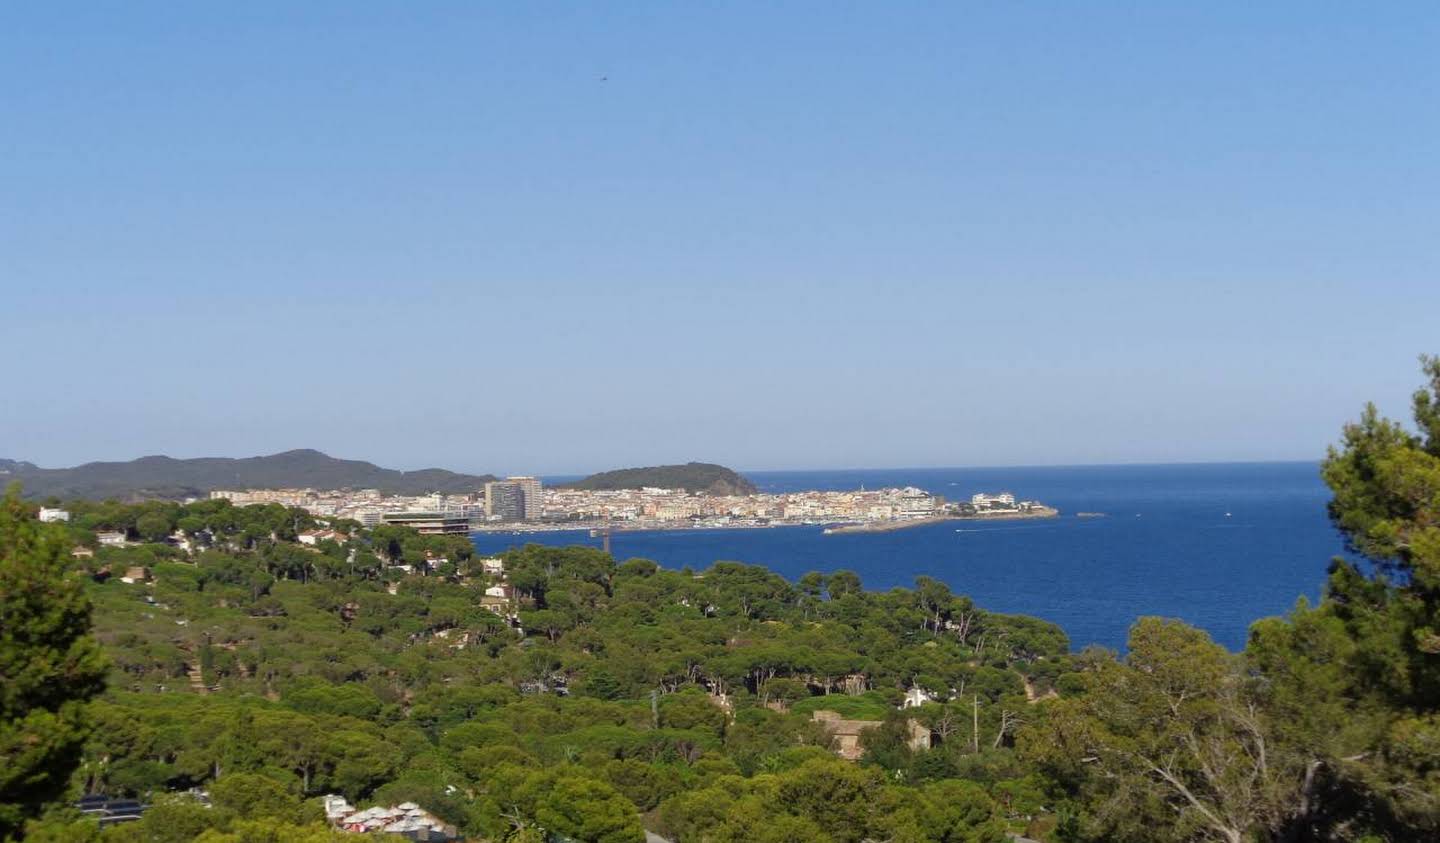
(692, 477)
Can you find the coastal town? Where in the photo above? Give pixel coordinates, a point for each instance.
(525, 504)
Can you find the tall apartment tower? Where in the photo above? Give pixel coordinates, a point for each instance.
(531, 495)
(503, 500)
(514, 499)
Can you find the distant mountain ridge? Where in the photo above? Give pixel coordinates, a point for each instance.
(692, 477)
(166, 477)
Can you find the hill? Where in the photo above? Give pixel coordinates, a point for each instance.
(165, 477)
(10, 467)
(692, 477)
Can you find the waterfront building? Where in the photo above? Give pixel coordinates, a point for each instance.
(532, 496)
(917, 503)
(504, 501)
(437, 522)
(1004, 500)
(514, 499)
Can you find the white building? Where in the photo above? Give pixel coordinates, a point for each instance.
(499, 599)
(314, 537)
(916, 697)
(916, 503)
(111, 539)
(515, 499)
(1004, 500)
(50, 515)
(532, 496)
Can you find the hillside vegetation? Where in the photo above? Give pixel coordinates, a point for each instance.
(175, 479)
(692, 477)
(599, 698)
(617, 694)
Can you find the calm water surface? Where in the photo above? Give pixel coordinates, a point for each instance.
(1166, 546)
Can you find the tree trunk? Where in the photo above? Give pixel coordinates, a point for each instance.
(1295, 829)
(975, 722)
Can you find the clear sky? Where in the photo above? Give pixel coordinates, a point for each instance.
(550, 237)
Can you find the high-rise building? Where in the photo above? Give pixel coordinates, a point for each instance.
(532, 496)
(504, 500)
(514, 499)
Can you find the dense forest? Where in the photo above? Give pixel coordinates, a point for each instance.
(332, 668)
(266, 659)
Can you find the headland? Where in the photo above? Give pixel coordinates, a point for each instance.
(525, 505)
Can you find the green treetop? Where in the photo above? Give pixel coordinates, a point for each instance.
(49, 665)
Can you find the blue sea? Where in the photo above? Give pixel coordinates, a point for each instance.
(1217, 545)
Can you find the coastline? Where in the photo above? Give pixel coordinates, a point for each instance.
(830, 529)
(891, 526)
(1041, 566)
(887, 526)
(627, 527)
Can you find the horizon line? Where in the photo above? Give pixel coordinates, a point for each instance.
(790, 469)
(991, 467)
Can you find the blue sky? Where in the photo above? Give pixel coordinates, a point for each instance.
(775, 235)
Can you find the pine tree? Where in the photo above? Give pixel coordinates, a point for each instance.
(49, 665)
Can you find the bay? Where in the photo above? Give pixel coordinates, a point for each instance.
(1217, 545)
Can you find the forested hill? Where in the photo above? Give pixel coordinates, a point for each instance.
(692, 477)
(165, 477)
(561, 694)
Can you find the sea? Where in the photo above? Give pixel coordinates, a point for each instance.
(1217, 545)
